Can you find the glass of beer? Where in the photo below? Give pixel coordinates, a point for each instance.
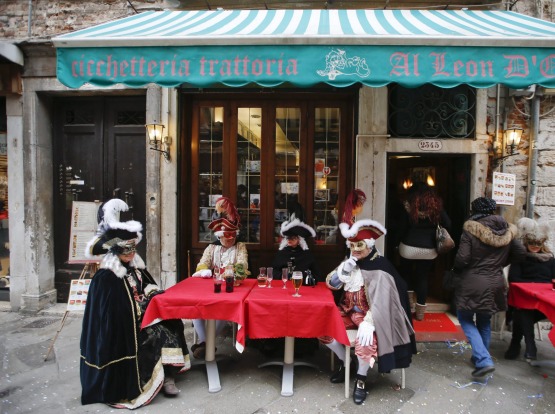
(297, 282)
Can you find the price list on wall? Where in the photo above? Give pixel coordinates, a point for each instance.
(503, 191)
(83, 227)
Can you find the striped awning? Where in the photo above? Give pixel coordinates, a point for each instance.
(308, 47)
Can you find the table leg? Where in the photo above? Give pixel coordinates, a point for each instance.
(288, 365)
(210, 357)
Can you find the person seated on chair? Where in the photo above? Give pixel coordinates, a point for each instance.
(293, 248)
(123, 365)
(537, 267)
(375, 302)
(294, 252)
(225, 251)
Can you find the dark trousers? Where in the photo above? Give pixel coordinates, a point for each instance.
(416, 273)
(523, 326)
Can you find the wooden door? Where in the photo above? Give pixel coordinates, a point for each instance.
(100, 153)
(266, 153)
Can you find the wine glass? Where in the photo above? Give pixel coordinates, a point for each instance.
(284, 276)
(297, 282)
(270, 276)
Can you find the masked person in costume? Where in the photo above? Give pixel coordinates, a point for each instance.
(294, 253)
(123, 365)
(293, 249)
(537, 267)
(225, 251)
(375, 302)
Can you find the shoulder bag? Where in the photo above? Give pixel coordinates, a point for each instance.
(444, 242)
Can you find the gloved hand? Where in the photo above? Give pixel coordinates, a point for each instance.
(349, 264)
(365, 333)
(203, 273)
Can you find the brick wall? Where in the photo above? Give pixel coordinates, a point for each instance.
(50, 18)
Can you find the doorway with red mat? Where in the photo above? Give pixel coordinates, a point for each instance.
(449, 174)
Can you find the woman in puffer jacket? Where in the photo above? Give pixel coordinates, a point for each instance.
(488, 244)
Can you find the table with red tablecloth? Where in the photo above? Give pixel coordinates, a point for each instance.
(540, 296)
(275, 313)
(194, 298)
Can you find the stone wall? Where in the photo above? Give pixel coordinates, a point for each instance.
(52, 18)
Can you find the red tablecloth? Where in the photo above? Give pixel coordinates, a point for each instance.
(274, 313)
(538, 296)
(194, 298)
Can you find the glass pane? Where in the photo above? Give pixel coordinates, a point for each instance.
(326, 174)
(432, 112)
(287, 155)
(249, 144)
(210, 166)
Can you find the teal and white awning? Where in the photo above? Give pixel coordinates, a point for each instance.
(307, 47)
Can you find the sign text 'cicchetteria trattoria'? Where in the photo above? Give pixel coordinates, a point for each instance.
(307, 65)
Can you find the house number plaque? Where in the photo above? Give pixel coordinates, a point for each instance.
(430, 145)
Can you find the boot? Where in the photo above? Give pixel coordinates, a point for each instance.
(514, 350)
(527, 321)
(412, 301)
(169, 388)
(359, 393)
(420, 311)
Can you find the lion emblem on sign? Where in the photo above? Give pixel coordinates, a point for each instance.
(337, 63)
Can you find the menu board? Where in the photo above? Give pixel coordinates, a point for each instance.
(83, 228)
(503, 191)
(78, 294)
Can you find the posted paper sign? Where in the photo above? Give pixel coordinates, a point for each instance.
(504, 188)
(83, 228)
(78, 294)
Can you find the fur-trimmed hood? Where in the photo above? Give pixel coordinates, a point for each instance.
(492, 230)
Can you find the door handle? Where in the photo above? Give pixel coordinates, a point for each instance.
(130, 199)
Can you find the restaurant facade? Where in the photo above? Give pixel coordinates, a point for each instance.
(267, 107)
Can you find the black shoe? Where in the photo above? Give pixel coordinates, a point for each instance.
(480, 372)
(199, 350)
(530, 352)
(513, 352)
(528, 356)
(338, 377)
(359, 393)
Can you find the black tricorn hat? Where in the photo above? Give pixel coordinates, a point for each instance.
(296, 226)
(113, 235)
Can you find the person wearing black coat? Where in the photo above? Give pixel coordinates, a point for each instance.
(538, 267)
(417, 230)
(121, 364)
(488, 244)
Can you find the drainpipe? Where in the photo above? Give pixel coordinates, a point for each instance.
(533, 155)
(29, 18)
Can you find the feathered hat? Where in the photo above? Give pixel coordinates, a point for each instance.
(113, 235)
(296, 226)
(228, 221)
(365, 229)
(530, 230)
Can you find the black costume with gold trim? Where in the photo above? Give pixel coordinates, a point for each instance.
(121, 364)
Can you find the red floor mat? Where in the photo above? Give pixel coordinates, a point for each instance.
(437, 327)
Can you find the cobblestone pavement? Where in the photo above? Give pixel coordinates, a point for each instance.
(438, 381)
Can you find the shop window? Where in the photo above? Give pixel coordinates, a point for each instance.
(210, 178)
(326, 173)
(432, 112)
